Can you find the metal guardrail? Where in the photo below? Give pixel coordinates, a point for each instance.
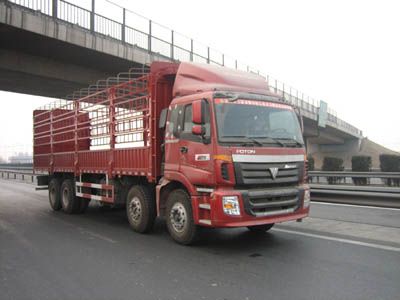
(371, 190)
(20, 167)
(364, 191)
(156, 38)
(380, 196)
(349, 174)
(316, 188)
(18, 175)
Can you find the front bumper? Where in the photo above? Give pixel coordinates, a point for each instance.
(257, 206)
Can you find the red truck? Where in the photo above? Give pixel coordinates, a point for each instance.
(199, 145)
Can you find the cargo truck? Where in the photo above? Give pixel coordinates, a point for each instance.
(198, 145)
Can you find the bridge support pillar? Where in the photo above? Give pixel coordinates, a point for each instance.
(346, 150)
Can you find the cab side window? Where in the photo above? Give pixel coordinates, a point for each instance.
(172, 124)
(187, 125)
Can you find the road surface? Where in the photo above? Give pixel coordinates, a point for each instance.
(341, 252)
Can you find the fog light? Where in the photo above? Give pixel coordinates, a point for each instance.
(231, 205)
(307, 198)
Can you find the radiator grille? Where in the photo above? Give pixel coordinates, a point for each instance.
(262, 174)
(271, 202)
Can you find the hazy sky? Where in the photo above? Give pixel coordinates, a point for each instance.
(344, 52)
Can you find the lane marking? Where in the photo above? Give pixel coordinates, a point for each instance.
(342, 240)
(354, 205)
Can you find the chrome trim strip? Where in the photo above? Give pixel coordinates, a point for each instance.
(171, 141)
(267, 158)
(276, 212)
(204, 190)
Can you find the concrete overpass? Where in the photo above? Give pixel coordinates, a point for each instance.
(51, 48)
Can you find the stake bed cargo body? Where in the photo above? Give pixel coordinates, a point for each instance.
(201, 145)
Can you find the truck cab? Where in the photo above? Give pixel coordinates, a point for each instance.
(234, 154)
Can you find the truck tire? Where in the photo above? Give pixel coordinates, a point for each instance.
(55, 194)
(260, 228)
(69, 202)
(179, 218)
(140, 208)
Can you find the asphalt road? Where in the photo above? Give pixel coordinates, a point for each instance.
(50, 255)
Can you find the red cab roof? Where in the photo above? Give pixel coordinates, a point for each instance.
(194, 78)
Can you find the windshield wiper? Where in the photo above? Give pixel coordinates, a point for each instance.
(233, 98)
(296, 142)
(283, 142)
(255, 141)
(279, 140)
(252, 140)
(271, 139)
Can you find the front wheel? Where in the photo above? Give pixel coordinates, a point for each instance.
(179, 218)
(260, 228)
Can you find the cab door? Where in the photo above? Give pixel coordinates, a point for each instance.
(196, 161)
(172, 155)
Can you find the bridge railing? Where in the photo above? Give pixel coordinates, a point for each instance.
(138, 31)
(43, 6)
(73, 14)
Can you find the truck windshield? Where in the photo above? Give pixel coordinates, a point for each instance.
(257, 122)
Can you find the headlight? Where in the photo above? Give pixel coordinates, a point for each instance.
(231, 205)
(307, 198)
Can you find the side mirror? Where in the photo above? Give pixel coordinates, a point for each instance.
(198, 112)
(198, 130)
(163, 118)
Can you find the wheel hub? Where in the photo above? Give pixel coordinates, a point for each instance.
(135, 209)
(178, 217)
(53, 195)
(65, 197)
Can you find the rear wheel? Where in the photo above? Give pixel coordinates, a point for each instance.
(179, 217)
(140, 208)
(69, 202)
(55, 194)
(260, 228)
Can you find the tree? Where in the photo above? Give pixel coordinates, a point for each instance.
(333, 164)
(361, 163)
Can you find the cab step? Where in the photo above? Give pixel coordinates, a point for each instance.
(205, 222)
(205, 206)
